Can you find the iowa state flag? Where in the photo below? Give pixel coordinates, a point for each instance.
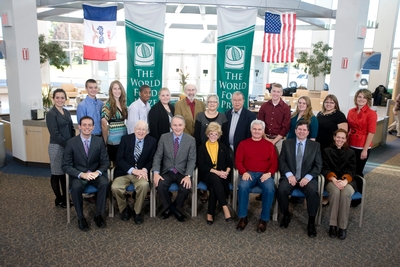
(100, 26)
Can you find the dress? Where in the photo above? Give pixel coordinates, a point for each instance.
(201, 124)
(116, 129)
(327, 125)
(313, 128)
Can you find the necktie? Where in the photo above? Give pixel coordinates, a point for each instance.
(176, 147)
(86, 146)
(138, 151)
(299, 160)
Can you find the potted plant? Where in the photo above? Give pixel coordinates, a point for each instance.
(317, 62)
(46, 97)
(183, 77)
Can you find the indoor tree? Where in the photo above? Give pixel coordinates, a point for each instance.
(317, 62)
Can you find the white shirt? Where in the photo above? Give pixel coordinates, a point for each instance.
(137, 111)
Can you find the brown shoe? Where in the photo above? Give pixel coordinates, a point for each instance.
(242, 224)
(262, 226)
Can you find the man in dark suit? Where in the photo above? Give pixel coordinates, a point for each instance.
(239, 120)
(300, 163)
(134, 159)
(176, 153)
(86, 161)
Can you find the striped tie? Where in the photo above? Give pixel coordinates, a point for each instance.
(138, 151)
(86, 146)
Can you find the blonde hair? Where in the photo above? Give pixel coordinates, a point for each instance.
(367, 94)
(214, 127)
(308, 113)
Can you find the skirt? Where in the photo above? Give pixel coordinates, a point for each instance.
(56, 153)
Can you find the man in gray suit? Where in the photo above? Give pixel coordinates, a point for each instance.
(300, 163)
(86, 161)
(176, 153)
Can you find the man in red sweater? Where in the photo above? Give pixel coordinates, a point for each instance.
(256, 161)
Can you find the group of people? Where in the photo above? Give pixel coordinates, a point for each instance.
(173, 140)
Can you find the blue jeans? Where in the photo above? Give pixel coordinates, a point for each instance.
(268, 193)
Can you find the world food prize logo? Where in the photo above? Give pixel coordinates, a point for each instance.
(144, 54)
(234, 57)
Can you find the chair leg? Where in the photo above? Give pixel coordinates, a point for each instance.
(68, 199)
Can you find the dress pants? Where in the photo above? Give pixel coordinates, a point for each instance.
(268, 193)
(339, 202)
(360, 163)
(217, 188)
(118, 189)
(163, 186)
(77, 188)
(285, 189)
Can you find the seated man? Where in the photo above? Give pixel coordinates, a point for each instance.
(256, 161)
(134, 159)
(86, 161)
(300, 163)
(176, 153)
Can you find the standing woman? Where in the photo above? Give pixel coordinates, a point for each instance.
(203, 119)
(396, 122)
(304, 112)
(113, 116)
(362, 127)
(160, 115)
(61, 128)
(214, 163)
(330, 118)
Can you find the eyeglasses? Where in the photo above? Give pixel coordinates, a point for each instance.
(331, 103)
(212, 102)
(213, 135)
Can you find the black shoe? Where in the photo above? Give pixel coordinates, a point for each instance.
(99, 221)
(262, 226)
(259, 197)
(137, 218)
(342, 234)
(60, 203)
(179, 216)
(228, 219)
(311, 230)
(126, 214)
(210, 222)
(83, 225)
(242, 224)
(166, 214)
(285, 221)
(332, 231)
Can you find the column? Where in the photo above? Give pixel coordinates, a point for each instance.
(350, 14)
(23, 76)
(383, 42)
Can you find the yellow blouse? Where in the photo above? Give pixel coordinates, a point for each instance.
(212, 149)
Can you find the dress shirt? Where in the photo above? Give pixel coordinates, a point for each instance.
(91, 107)
(276, 118)
(191, 105)
(307, 176)
(137, 111)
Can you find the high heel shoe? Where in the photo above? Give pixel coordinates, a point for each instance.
(228, 219)
(209, 222)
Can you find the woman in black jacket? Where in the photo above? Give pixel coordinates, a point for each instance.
(160, 114)
(339, 169)
(61, 128)
(214, 163)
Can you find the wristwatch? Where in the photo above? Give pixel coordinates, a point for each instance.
(189, 175)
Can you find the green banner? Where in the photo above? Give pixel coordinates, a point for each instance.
(144, 46)
(234, 50)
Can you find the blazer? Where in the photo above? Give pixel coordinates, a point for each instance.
(312, 159)
(185, 160)
(125, 158)
(61, 127)
(243, 127)
(158, 118)
(183, 109)
(75, 160)
(204, 162)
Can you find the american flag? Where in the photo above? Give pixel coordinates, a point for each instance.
(279, 35)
